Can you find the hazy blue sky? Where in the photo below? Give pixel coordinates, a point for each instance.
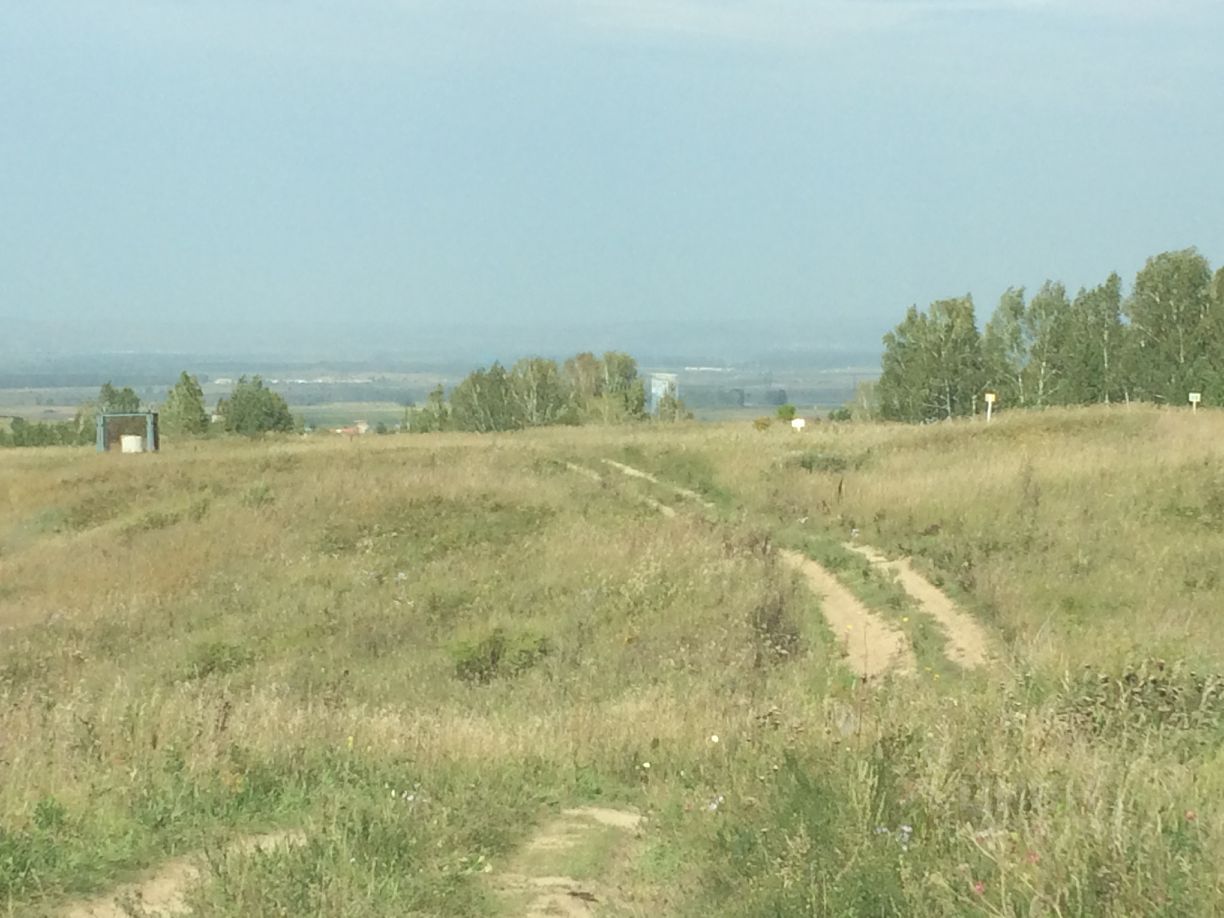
(824, 162)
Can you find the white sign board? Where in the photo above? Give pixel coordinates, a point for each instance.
(1196, 397)
(798, 424)
(990, 398)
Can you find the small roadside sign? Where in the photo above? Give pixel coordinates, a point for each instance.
(991, 398)
(1195, 398)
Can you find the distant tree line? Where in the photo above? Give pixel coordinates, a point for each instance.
(1163, 341)
(535, 392)
(538, 392)
(80, 431)
(251, 409)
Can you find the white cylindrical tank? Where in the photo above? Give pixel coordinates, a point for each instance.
(131, 444)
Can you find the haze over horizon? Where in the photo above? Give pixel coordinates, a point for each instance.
(812, 166)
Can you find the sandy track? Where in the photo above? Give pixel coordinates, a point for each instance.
(873, 646)
(968, 641)
(646, 476)
(534, 884)
(661, 507)
(161, 894)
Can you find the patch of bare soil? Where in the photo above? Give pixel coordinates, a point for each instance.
(873, 647)
(161, 894)
(538, 881)
(968, 642)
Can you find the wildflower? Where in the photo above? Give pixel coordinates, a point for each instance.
(349, 742)
(646, 766)
(905, 832)
(1191, 815)
(1033, 857)
(714, 739)
(714, 804)
(979, 887)
(905, 618)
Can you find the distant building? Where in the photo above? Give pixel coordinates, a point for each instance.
(357, 429)
(660, 384)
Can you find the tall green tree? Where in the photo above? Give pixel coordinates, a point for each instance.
(434, 415)
(484, 402)
(118, 400)
(1173, 318)
(1005, 349)
(585, 374)
(1045, 331)
(623, 393)
(1215, 344)
(1093, 363)
(540, 392)
(253, 409)
(932, 366)
(183, 411)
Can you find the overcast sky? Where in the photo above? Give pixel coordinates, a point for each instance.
(817, 162)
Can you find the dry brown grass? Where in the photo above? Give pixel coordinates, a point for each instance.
(233, 636)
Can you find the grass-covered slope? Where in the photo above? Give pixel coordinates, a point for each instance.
(416, 651)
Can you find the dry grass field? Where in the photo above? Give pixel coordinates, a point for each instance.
(418, 656)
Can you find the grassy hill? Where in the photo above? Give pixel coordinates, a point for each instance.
(414, 652)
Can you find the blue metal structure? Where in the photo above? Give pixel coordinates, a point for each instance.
(152, 436)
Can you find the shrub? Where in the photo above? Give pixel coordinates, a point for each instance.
(217, 658)
(497, 654)
(812, 461)
(258, 495)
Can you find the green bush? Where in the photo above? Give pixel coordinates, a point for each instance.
(217, 658)
(813, 461)
(498, 654)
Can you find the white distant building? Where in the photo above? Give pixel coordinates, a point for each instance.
(660, 383)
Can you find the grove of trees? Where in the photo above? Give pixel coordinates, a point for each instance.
(536, 392)
(47, 433)
(1158, 344)
(183, 411)
(80, 431)
(252, 409)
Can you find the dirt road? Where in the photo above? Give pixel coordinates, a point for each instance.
(562, 870)
(968, 642)
(161, 894)
(872, 646)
